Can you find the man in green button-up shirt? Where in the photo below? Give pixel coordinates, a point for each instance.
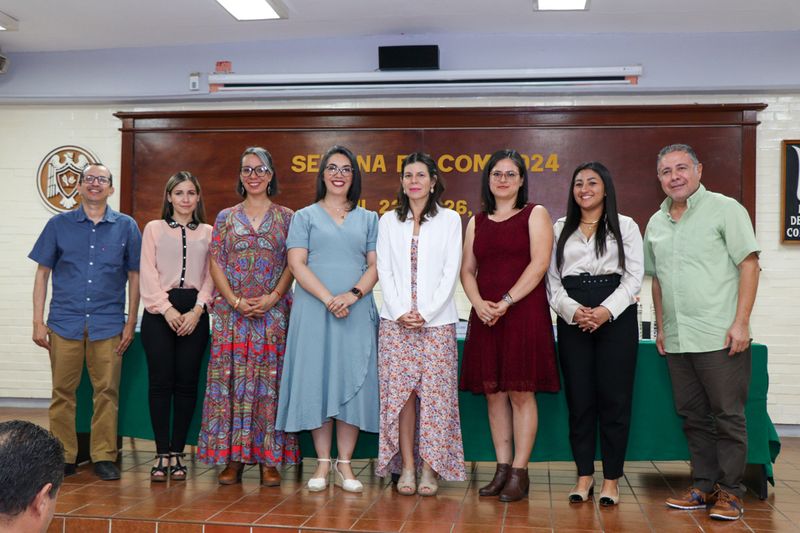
(701, 251)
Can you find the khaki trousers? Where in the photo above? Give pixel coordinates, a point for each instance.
(66, 361)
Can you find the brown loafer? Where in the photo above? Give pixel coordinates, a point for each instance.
(517, 486)
(232, 473)
(270, 477)
(498, 482)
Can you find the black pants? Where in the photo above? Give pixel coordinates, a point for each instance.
(598, 370)
(173, 365)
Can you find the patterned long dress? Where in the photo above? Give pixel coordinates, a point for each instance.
(424, 361)
(244, 371)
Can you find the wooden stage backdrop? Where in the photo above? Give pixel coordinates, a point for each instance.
(553, 140)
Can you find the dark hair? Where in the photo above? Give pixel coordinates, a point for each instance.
(354, 193)
(431, 206)
(98, 164)
(487, 198)
(677, 148)
(609, 220)
(266, 160)
(30, 458)
(199, 215)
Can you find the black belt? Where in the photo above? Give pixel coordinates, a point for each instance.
(585, 281)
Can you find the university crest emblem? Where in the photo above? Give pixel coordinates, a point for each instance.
(57, 178)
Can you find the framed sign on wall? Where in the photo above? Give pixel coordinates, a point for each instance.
(790, 192)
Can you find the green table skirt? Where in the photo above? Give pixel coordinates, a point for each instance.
(656, 432)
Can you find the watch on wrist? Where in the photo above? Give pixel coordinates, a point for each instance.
(357, 292)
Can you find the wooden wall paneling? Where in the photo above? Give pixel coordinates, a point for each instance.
(555, 141)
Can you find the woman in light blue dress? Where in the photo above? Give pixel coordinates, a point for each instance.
(330, 368)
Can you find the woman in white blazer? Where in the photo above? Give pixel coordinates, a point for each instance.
(419, 257)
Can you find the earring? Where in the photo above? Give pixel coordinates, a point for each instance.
(432, 190)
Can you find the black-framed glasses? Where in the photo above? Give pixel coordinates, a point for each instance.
(332, 170)
(102, 180)
(261, 171)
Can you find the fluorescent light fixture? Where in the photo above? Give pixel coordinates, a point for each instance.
(8, 23)
(560, 5)
(254, 9)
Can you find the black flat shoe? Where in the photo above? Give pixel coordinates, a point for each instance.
(160, 472)
(106, 470)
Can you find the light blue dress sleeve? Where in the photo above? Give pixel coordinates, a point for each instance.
(300, 230)
(372, 230)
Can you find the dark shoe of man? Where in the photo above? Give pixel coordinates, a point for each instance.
(106, 470)
(693, 498)
(727, 507)
(70, 469)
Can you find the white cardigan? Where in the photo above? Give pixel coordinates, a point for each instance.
(438, 265)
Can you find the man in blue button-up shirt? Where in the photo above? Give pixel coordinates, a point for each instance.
(92, 253)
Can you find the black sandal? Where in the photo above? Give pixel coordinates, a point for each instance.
(160, 472)
(177, 471)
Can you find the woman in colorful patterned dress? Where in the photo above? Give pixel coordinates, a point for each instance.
(419, 254)
(509, 351)
(250, 314)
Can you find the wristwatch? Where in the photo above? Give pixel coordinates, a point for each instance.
(357, 292)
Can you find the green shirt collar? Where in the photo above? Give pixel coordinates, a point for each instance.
(691, 202)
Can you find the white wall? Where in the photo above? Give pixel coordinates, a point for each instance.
(28, 133)
(707, 62)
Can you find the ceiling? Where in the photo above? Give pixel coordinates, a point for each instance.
(53, 25)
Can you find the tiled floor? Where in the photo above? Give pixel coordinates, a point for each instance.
(199, 505)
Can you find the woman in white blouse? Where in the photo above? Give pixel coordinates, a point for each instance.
(594, 278)
(419, 255)
(175, 286)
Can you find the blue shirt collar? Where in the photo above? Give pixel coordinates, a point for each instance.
(109, 216)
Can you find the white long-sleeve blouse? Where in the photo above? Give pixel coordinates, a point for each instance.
(580, 257)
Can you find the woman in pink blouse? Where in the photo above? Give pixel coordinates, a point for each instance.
(176, 286)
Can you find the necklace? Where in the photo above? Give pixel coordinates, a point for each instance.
(257, 216)
(590, 222)
(340, 212)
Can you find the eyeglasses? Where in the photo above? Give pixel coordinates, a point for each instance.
(332, 170)
(261, 171)
(510, 175)
(102, 180)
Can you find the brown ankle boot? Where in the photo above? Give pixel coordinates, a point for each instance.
(517, 486)
(498, 482)
(232, 473)
(270, 477)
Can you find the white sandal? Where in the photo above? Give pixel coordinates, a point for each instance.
(318, 484)
(428, 486)
(407, 483)
(348, 485)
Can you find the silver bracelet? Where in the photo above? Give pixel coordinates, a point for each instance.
(508, 299)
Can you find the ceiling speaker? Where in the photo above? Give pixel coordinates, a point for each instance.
(416, 57)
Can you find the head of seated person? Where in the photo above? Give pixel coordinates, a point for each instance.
(31, 472)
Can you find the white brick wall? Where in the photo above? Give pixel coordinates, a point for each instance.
(28, 133)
